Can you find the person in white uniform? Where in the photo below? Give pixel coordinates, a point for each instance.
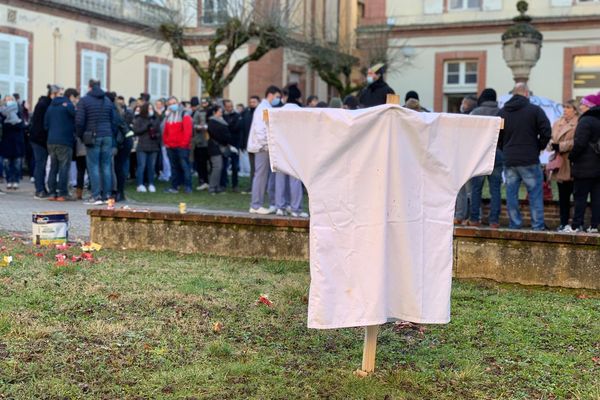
(257, 144)
(381, 226)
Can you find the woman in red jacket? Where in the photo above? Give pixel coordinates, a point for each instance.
(177, 138)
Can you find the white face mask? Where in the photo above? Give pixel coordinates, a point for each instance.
(151, 113)
(370, 80)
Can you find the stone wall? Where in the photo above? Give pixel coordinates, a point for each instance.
(525, 257)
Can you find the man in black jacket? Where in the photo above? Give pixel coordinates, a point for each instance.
(247, 123)
(235, 128)
(96, 113)
(375, 94)
(526, 132)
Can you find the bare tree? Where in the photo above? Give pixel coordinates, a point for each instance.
(261, 25)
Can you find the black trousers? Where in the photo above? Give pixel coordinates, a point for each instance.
(581, 189)
(81, 166)
(201, 160)
(565, 190)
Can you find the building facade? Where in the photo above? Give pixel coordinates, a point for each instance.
(70, 41)
(450, 48)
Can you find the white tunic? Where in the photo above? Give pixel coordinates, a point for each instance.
(382, 185)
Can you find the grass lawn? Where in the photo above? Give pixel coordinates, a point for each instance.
(138, 325)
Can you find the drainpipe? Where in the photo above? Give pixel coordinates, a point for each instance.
(57, 35)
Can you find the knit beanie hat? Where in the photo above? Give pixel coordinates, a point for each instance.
(591, 100)
(195, 101)
(294, 93)
(487, 95)
(411, 94)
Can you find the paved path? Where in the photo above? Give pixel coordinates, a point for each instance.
(16, 208)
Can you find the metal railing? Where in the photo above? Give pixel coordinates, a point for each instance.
(143, 12)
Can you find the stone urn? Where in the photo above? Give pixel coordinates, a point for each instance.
(521, 45)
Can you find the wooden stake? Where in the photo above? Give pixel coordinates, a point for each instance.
(370, 343)
(370, 348)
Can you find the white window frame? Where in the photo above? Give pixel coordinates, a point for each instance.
(157, 68)
(587, 1)
(96, 56)
(461, 86)
(218, 6)
(465, 6)
(12, 78)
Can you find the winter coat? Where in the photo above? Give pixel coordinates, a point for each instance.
(257, 138)
(177, 130)
(97, 113)
(375, 94)
(246, 124)
(147, 129)
(585, 162)
(526, 132)
(38, 134)
(60, 122)
(235, 128)
(12, 144)
(219, 135)
(563, 132)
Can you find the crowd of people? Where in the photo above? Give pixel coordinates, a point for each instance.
(169, 139)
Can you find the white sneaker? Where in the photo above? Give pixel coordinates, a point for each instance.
(141, 189)
(299, 215)
(32, 179)
(9, 185)
(280, 212)
(567, 229)
(592, 230)
(151, 188)
(15, 186)
(272, 209)
(260, 210)
(204, 186)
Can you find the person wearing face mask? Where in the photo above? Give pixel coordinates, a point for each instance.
(146, 126)
(247, 117)
(257, 144)
(177, 137)
(233, 158)
(585, 163)
(375, 94)
(12, 145)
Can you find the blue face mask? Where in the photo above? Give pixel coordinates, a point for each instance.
(276, 101)
(11, 103)
(174, 107)
(370, 80)
(151, 113)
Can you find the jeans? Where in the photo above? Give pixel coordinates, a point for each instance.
(146, 161)
(215, 173)
(40, 155)
(181, 172)
(581, 189)
(99, 166)
(461, 211)
(565, 190)
(60, 163)
(495, 184)
(13, 169)
(122, 164)
(532, 177)
(235, 167)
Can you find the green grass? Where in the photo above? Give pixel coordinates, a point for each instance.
(137, 325)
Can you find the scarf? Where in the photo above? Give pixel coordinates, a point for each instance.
(10, 113)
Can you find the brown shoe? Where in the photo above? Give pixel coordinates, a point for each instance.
(473, 223)
(457, 221)
(79, 194)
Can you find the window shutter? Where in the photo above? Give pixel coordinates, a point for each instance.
(164, 81)
(20, 60)
(433, 6)
(101, 71)
(153, 81)
(4, 87)
(4, 57)
(492, 5)
(561, 3)
(21, 88)
(86, 70)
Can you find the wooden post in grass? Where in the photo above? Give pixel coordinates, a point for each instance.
(371, 332)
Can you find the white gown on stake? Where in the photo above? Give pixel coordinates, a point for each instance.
(382, 184)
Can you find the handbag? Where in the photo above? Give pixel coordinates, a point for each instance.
(554, 164)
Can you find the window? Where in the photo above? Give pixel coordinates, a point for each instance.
(586, 75)
(93, 66)
(465, 4)
(461, 74)
(14, 65)
(214, 11)
(159, 76)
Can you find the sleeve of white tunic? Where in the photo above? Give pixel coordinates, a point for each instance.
(382, 185)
